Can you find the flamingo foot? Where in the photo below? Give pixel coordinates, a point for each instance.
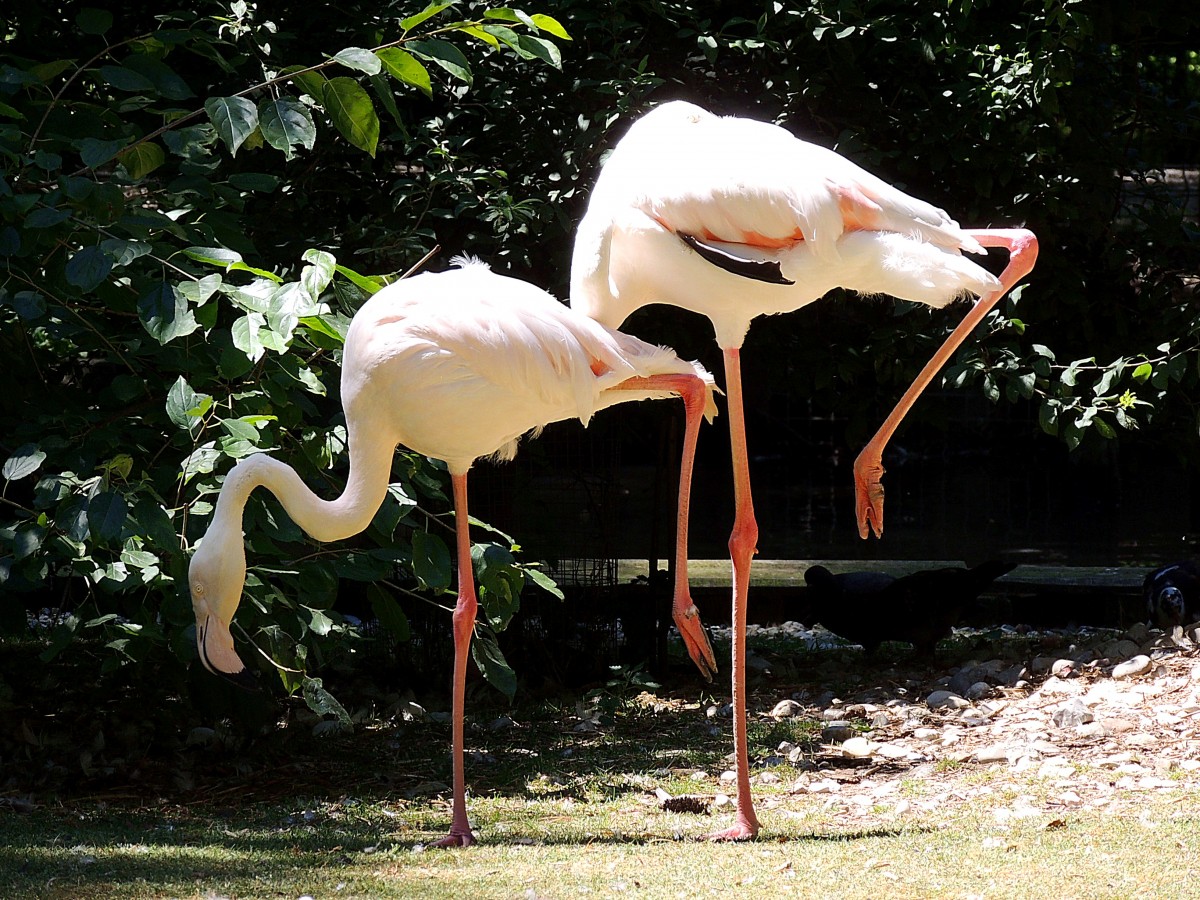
(868, 494)
(695, 638)
(456, 838)
(741, 831)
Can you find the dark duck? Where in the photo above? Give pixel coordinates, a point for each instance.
(869, 608)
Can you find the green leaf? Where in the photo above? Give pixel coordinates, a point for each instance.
(245, 333)
(316, 276)
(94, 152)
(427, 13)
(124, 79)
(235, 119)
(88, 268)
(213, 256)
(500, 582)
(322, 702)
(353, 114)
(444, 54)
(476, 32)
(26, 460)
(165, 314)
(330, 326)
(312, 83)
(550, 25)
(186, 407)
(431, 561)
(1143, 372)
(106, 515)
(154, 522)
(406, 68)
(389, 613)
(200, 461)
(142, 159)
(485, 650)
(46, 217)
(286, 123)
(318, 622)
(359, 59)
(201, 289)
(94, 21)
(365, 283)
(166, 80)
(545, 582)
(540, 48)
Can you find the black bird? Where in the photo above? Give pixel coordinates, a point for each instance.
(872, 607)
(1172, 595)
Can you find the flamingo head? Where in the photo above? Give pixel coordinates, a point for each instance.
(216, 576)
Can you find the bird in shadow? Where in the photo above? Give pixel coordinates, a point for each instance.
(869, 608)
(1172, 594)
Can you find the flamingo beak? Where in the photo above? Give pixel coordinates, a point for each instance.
(215, 645)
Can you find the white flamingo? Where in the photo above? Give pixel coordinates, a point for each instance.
(734, 218)
(457, 366)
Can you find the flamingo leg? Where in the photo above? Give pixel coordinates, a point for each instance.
(743, 544)
(1022, 246)
(464, 624)
(683, 610)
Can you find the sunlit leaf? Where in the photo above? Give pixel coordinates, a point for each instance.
(444, 54)
(286, 123)
(165, 314)
(359, 59)
(235, 119)
(406, 68)
(25, 460)
(550, 25)
(427, 13)
(352, 112)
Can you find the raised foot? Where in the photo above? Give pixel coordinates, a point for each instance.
(695, 638)
(739, 832)
(455, 838)
(868, 495)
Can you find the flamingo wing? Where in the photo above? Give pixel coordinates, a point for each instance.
(740, 181)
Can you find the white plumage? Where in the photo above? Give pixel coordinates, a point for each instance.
(457, 366)
(753, 191)
(733, 219)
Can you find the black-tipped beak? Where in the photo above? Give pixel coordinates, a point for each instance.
(242, 677)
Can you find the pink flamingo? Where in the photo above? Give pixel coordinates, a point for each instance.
(457, 366)
(734, 218)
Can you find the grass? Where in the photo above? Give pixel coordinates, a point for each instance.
(560, 813)
(556, 849)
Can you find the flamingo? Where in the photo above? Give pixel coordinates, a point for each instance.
(735, 218)
(457, 366)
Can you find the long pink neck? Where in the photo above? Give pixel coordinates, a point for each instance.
(325, 520)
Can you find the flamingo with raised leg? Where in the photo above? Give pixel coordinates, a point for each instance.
(735, 218)
(457, 366)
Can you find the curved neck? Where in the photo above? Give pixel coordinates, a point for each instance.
(325, 520)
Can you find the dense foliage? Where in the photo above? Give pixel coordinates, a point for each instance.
(190, 198)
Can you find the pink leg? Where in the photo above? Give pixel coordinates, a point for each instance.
(464, 624)
(683, 610)
(743, 544)
(1022, 246)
